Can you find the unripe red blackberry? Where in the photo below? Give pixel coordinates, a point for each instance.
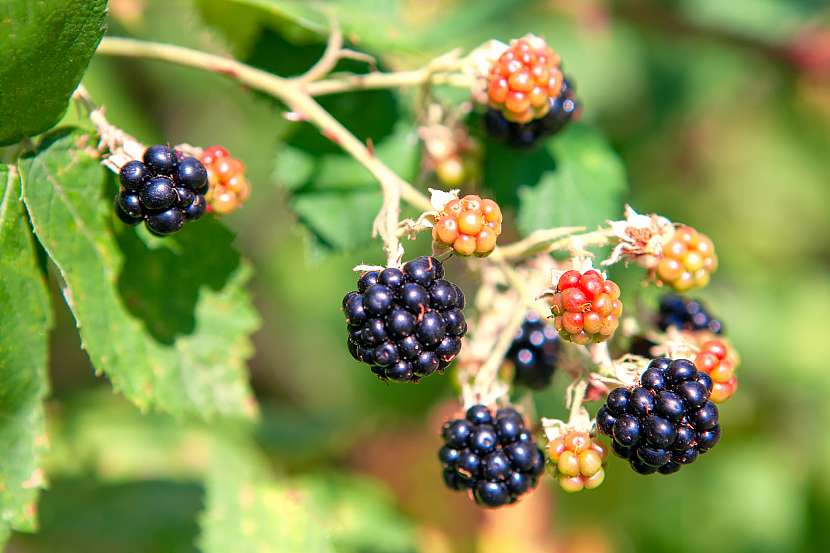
(586, 307)
(229, 189)
(716, 359)
(687, 261)
(524, 79)
(490, 455)
(405, 323)
(577, 461)
(470, 226)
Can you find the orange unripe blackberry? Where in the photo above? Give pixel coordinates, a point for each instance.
(687, 261)
(577, 461)
(586, 307)
(523, 80)
(717, 360)
(469, 225)
(229, 188)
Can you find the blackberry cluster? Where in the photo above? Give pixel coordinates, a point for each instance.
(686, 314)
(563, 108)
(666, 421)
(534, 352)
(495, 458)
(165, 190)
(405, 324)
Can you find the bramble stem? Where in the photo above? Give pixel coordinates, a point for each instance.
(576, 400)
(488, 371)
(288, 91)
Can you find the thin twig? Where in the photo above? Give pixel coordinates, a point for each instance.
(444, 69)
(329, 59)
(576, 398)
(536, 241)
(487, 374)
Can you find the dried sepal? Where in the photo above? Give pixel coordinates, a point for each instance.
(640, 238)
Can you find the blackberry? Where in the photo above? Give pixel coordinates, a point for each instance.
(686, 314)
(490, 455)
(665, 421)
(165, 190)
(563, 108)
(405, 324)
(534, 352)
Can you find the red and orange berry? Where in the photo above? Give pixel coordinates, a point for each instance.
(229, 188)
(523, 80)
(586, 307)
(469, 225)
(717, 360)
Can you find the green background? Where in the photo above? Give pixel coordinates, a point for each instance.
(719, 123)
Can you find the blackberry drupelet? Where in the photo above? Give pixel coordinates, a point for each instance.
(492, 456)
(534, 352)
(405, 324)
(164, 191)
(664, 422)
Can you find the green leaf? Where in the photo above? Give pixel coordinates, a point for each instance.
(338, 198)
(46, 47)
(359, 514)
(248, 511)
(168, 320)
(576, 180)
(25, 319)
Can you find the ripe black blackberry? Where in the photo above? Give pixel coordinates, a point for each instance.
(165, 190)
(664, 422)
(686, 314)
(494, 457)
(534, 352)
(405, 324)
(563, 108)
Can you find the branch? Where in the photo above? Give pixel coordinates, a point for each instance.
(487, 373)
(329, 59)
(289, 92)
(444, 69)
(535, 242)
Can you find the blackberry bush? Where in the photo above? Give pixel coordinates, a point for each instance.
(492, 457)
(534, 353)
(171, 325)
(665, 421)
(165, 190)
(405, 323)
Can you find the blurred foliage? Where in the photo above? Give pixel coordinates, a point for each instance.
(714, 124)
